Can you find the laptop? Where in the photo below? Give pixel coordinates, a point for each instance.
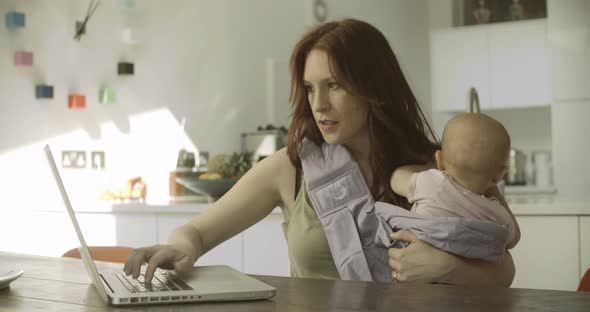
(204, 283)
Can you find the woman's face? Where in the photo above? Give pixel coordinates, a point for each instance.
(341, 117)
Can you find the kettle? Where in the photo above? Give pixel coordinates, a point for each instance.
(186, 159)
(264, 141)
(516, 169)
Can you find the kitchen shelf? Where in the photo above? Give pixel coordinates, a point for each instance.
(528, 189)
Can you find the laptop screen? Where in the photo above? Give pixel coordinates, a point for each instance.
(84, 252)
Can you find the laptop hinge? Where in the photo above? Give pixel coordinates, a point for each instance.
(104, 281)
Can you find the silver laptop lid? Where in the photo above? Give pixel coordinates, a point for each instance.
(84, 252)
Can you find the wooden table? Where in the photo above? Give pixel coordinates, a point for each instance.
(61, 284)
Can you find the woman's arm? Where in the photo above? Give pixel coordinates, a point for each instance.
(481, 273)
(252, 198)
(422, 263)
(495, 192)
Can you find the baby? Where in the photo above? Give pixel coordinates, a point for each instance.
(472, 161)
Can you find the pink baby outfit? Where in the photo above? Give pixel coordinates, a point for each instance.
(435, 193)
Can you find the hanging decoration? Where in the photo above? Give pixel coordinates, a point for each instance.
(76, 101)
(43, 91)
(125, 68)
(15, 20)
(23, 58)
(127, 4)
(320, 11)
(107, 95)
(128, 36)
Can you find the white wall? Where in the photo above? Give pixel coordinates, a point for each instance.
(203, 60)
(405, 24)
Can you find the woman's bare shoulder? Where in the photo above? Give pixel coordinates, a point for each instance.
(284, 173)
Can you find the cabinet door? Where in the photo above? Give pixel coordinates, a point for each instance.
(120, 229)
(54, 234)
(569, 39)
(265, 248)
(228, 252)
(459, 61)
(547, 256)
(520, 65)
(99, 229)
(584, 245)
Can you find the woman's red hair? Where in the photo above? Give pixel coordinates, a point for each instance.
(363, 63)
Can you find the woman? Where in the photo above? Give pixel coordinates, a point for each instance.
(347, 88)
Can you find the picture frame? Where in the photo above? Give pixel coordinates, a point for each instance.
(477, 12)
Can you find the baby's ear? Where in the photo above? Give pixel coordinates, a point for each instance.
(500, 175)
(438, 156)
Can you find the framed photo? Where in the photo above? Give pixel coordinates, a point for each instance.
(474, 12)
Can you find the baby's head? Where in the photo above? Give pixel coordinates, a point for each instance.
(474, 151)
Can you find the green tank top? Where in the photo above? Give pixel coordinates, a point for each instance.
(309, 252)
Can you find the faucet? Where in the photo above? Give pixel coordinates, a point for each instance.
(473, 103)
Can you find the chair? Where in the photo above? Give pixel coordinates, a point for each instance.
(103, 253)
(585, 282)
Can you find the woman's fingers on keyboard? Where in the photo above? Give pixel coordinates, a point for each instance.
(161, 258)
(139, 257)
(128, 267)
(157, 256)
(137, 261)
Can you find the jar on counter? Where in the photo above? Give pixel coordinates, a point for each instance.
(542, 168)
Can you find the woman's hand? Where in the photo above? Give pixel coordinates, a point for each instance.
(159, 256)
(419, 262)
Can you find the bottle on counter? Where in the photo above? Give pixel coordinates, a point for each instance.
(542, 168)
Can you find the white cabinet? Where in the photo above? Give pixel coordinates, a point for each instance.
(168, 222)
(261, 249)
(459, 60)
(56, 234)
(569, 39)
(520, 65)
(584, 244)
(228, 253)
(125, 229)
(508, 64)
(547, 256)
(265, 248)
(53, 234)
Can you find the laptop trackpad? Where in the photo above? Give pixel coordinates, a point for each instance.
(221, 278)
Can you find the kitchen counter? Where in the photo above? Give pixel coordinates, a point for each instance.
(149, 207)
(531, 205)
(521, 205)
(138, 224)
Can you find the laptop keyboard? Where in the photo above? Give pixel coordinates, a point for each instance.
(160, 282)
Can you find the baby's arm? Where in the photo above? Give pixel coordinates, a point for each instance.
(495, 192)
(400, 179)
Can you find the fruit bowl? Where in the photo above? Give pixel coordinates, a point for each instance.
(214, 188)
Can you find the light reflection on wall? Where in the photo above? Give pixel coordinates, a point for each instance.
(30, 196)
